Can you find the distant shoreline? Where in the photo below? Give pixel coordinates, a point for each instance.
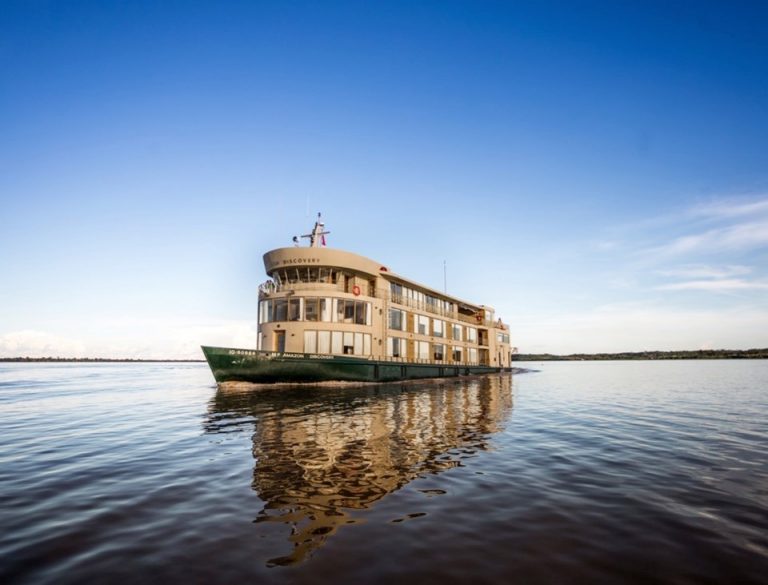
(703, 354)
(90, 360)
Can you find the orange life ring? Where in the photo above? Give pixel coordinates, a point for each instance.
(356, 290)
(479, 318)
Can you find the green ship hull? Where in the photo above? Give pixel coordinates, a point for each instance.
(264, 367)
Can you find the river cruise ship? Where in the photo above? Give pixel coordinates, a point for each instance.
(331, 315)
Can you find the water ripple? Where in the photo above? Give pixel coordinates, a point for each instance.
(619, 472)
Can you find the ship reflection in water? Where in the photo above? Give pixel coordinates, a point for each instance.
(321, 454)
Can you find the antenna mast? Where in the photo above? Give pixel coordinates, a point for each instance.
(317, 237)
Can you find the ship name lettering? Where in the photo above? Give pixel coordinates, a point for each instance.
(241, 352)
(301, 260)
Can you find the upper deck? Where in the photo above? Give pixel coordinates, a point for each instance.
(330, 270)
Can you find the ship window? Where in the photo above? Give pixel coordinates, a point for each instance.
(358, 344)
(281, 310)
(310, 309)
(457, 332)
(265, 312)
(310, 342)
(341, 311)
(366, 344)
(438, 350)
(422, 324)
(437, 327)
(361, 312)
(336, 342)
(396, 319)
(325, 310)
(472, 355)
(323, 342)
(472, 334)
(349, 343)
(395, 347)
(422, 350)
(396, 291)
(456, 354)
(294, 309)
(349, 311)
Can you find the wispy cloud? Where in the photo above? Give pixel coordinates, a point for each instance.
(726, 208)
(713, 247)
(737, 237)
(716, 285)
(705, 271)
(725, 226)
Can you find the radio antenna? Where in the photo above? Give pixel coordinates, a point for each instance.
(445, 278)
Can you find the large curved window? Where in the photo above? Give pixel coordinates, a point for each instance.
(316, 309)
(309, 274)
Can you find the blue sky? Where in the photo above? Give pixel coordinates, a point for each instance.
(597, 171)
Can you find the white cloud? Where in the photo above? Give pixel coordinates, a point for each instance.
(705, 271)
(31, 343)
(635, 328)
(716, 285)
(735, 207)
(738, 237)
(131, 338)
(729, 225)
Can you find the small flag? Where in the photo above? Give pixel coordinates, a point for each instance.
(322, 239)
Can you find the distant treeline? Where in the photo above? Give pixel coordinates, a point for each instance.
(701, 354)
(61, 359)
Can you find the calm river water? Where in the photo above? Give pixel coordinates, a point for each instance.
(585, 472)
